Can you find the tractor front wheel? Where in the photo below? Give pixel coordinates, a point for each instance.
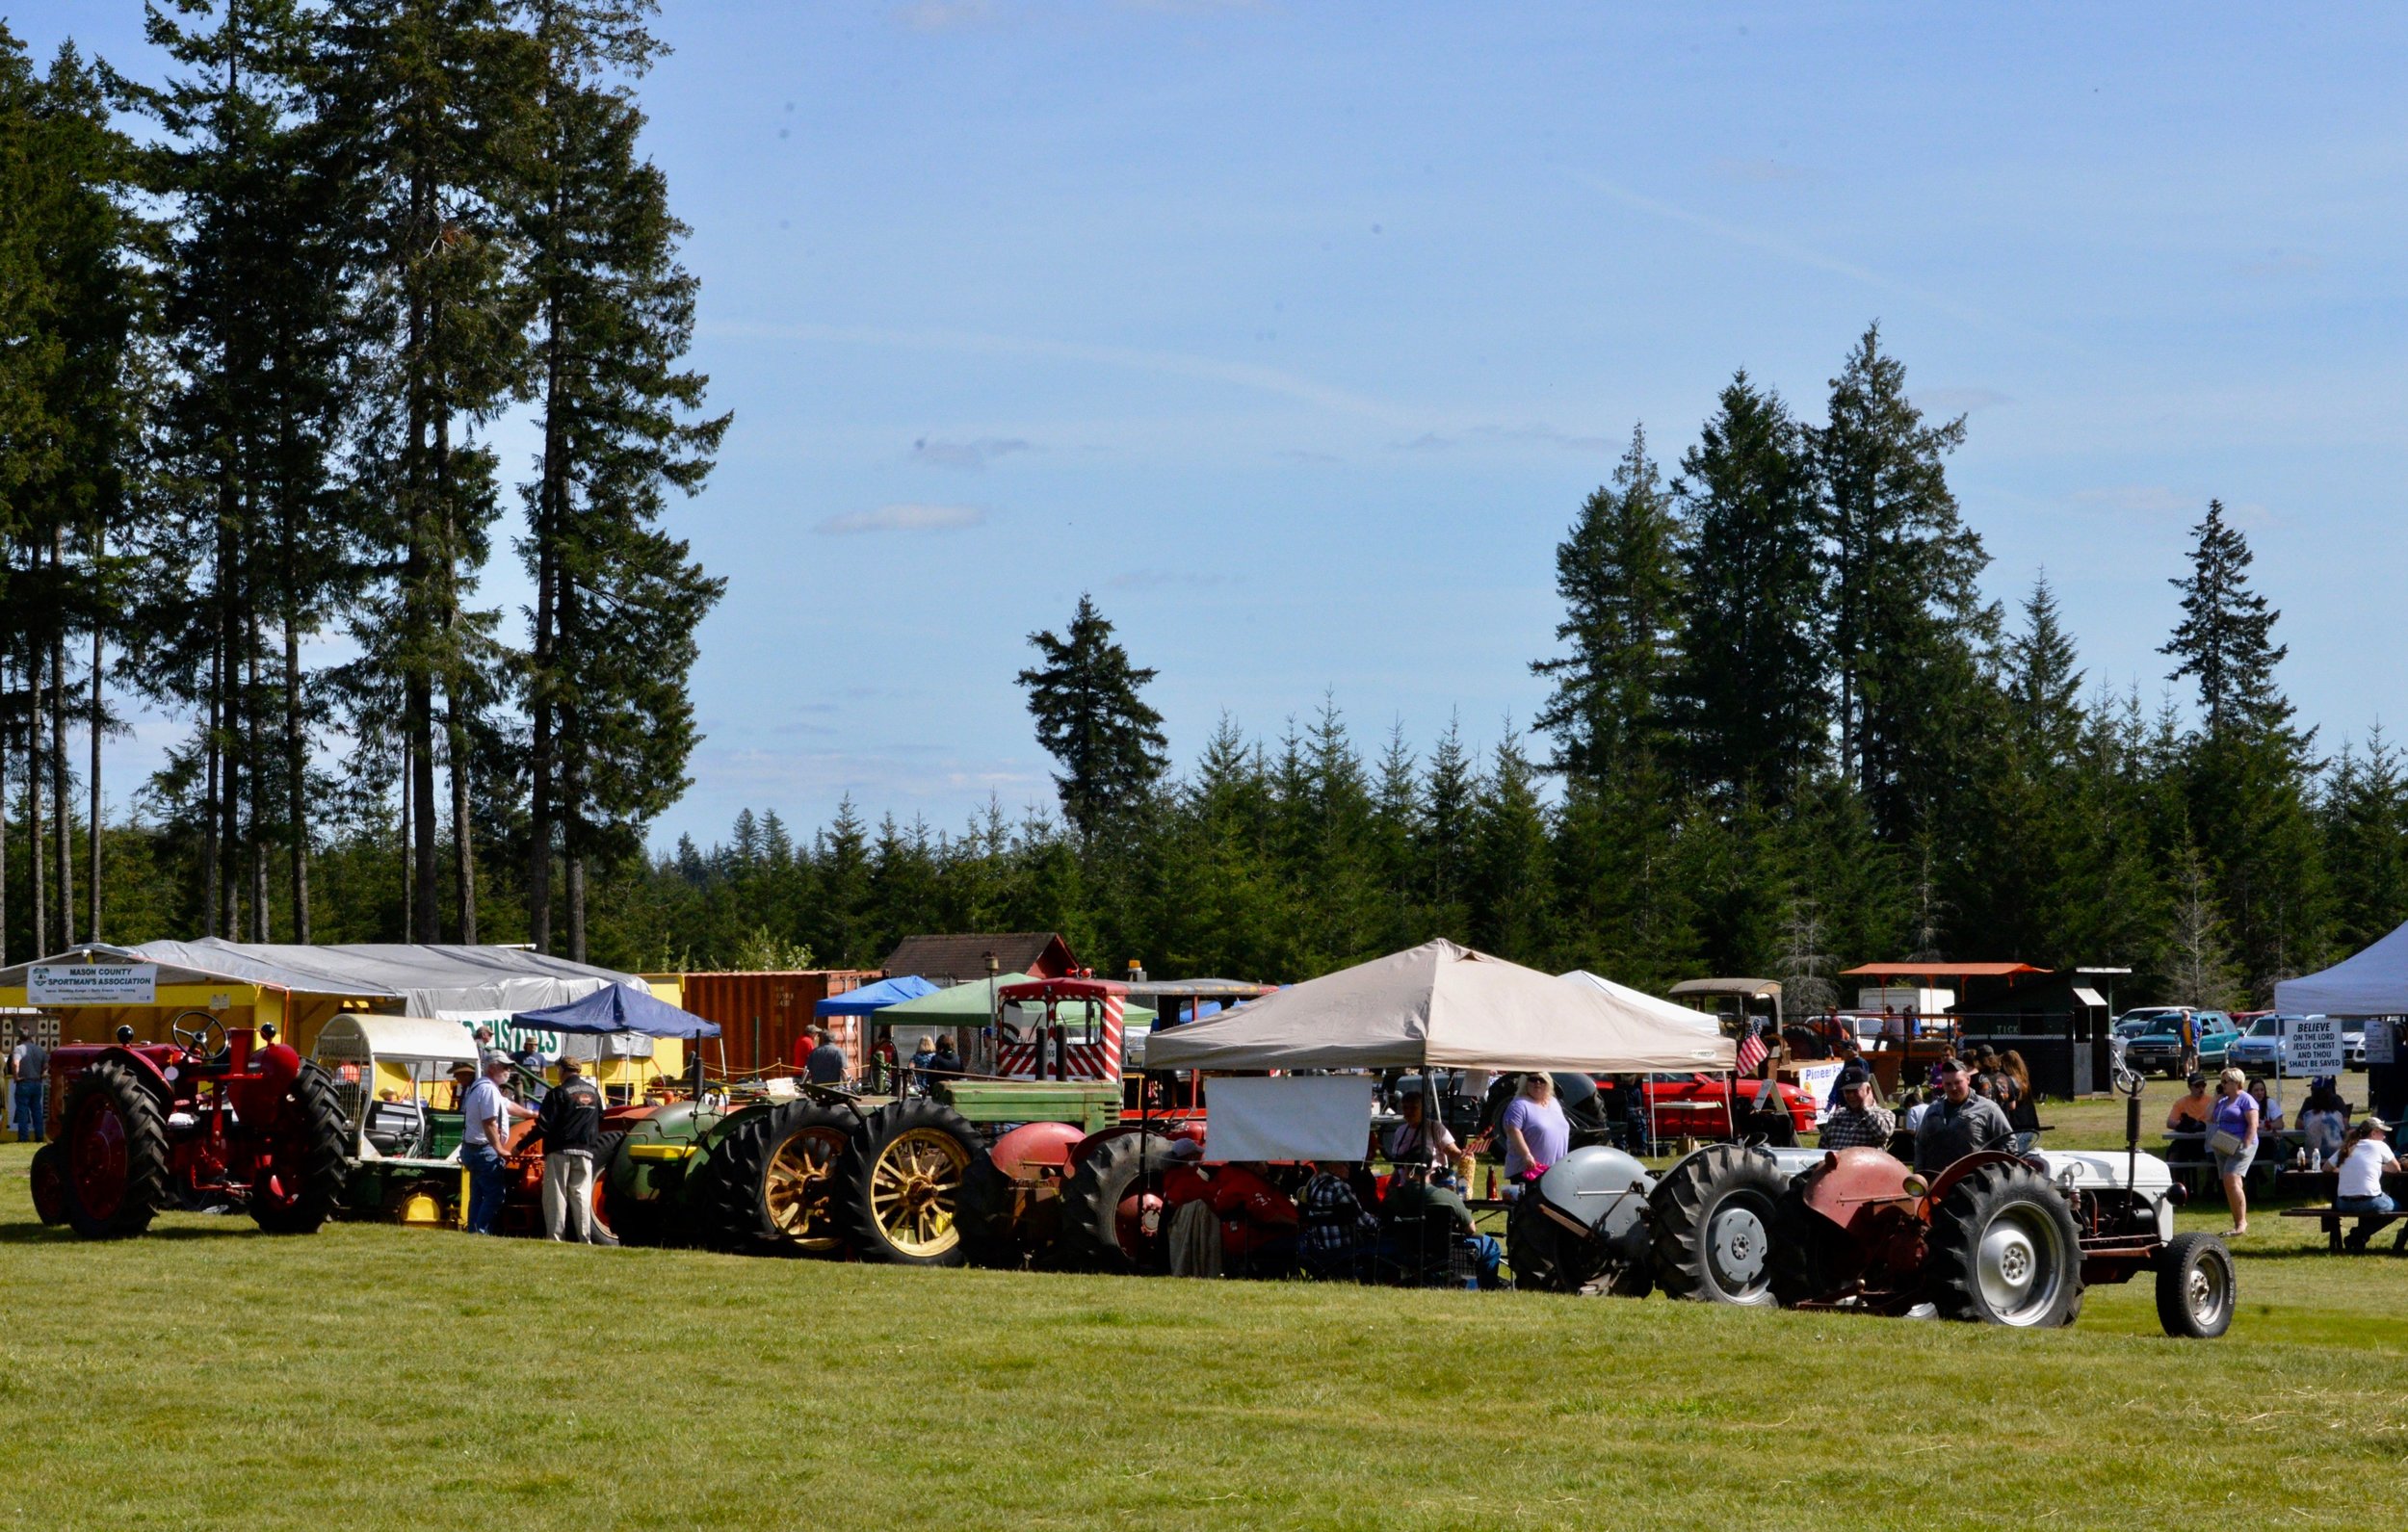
(1714, 1215)
(115, 1152)
(299, 1179)
(899, 1181)
(2006, 1250)
(49, 1185)
(2197, 1287)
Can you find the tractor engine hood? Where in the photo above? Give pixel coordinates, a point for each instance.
(2104, 1170)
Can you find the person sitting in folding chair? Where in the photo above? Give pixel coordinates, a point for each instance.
(1427, 1236)
(1337, 1236)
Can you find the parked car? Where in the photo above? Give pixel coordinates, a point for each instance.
(2261, 1047)
(2144, 1021)
(2158, 1051)
(2354, 1044)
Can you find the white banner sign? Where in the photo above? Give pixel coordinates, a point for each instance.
(2312, 1045)
(2379, 1036)
(1816, 1081)
(1287, 1117)
(91, 984)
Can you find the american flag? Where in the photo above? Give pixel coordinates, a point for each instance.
(1751, 1049)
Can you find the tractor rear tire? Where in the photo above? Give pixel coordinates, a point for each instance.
(899, 1185)
(1804, 1249)
(984, 1213)
(770, 1185)
(1091, 1199)
(309, 1160)
(2006, 1250)
(49, 1185)
(112, 1153)
(2197, 1287)
(1714, 1214)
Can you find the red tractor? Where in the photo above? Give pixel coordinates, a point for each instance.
(204, 1119)
(2005, 1238)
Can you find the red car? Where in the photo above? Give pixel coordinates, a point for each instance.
(1698, 1105)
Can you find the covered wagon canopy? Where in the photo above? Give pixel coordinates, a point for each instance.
(358, 1038)
(1440, 1005)
(427, 978)
(2372, 983)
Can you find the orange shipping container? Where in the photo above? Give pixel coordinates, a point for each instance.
(763, 1015)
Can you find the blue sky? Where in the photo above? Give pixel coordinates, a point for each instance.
(1296, 334)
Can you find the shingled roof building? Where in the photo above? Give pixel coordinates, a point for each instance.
(962, 959)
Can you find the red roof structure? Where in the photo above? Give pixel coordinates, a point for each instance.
(1939, 970)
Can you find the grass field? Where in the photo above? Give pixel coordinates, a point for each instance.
(378, 1377)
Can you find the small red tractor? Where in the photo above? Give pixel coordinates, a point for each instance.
(204, 1119)
(2005, 1238)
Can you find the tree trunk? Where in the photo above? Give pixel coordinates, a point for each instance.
(99, 718)
(209, 868)
(576, 881)
(464, 830)
(233, 768)
(410, 886)
(64, 818)
(296, 775)
(36, 853)
(8, 743)
(260, 785)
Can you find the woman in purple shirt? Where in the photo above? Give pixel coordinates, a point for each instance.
(1535, 1132)
(2232, 1134)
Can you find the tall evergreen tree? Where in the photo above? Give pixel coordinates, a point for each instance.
(2225, 641)
(615, 315)
(1618, 573)
(2365, 830)
(1084, 696)
(427, 113)
(1749, 701)
(1901, 588)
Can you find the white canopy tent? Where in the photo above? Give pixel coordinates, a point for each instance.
(2372, 983)
(1679, 1017)
(1441, 1005)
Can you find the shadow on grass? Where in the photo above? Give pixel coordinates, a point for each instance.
(37, 1233)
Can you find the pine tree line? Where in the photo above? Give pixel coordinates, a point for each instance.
(257, 323)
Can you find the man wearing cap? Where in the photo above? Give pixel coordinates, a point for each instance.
(483, 1141)
(2361, 1187)
(1959, 1123)
(570, 1127)
(29, 1069)
(1860, 1121)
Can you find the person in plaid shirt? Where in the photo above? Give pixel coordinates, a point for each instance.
(1861, 1121)
(1336, 1230)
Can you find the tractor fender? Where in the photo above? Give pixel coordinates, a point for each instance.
(1033, 1148)
(1946, 1179)
(1598, 1192)
(1164, 1129)
(136, 1061)
(1851, 1182)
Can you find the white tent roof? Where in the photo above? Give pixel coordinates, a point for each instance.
(1441, 1005)
(1681, 1016)
(427, 977)
(2372, 983)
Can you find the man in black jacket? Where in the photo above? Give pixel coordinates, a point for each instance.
(570, 1127)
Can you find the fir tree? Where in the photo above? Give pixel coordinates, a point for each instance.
(1748, 699)
(1084, 696)
(1618, 574)
(2225, 639)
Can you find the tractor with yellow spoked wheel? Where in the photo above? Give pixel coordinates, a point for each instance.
(819, 1172)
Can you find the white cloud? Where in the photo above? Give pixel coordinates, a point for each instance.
(1760, 170)
(969, 456)
(2149, 498)
(906, 517)
(943, 16)
(1960, 400)
(1548, 435)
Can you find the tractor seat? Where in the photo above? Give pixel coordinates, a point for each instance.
(395, 1127)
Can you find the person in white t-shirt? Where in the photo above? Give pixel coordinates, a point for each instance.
(483, 1140)
(2364, 1160)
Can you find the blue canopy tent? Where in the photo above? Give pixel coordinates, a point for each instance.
(875, 997)
(619, 1008)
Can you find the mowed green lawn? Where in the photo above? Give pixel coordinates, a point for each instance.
(376, 1377)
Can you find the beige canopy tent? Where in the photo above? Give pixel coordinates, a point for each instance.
(1678, 1017)
(1440, 1005)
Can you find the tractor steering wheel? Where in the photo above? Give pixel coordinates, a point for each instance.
(199, 1040)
